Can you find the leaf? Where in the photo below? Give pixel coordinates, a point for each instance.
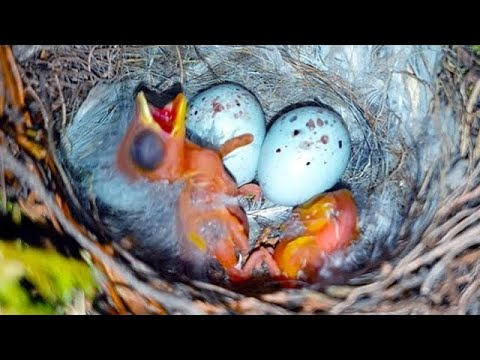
(54, 279)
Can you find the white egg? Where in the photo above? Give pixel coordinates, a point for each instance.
(223, 112)
(305, 153)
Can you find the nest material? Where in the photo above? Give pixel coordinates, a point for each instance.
(412, 113)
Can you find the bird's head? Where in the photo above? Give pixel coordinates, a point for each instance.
(154, 144)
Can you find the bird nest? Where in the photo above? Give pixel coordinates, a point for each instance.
(412, 113)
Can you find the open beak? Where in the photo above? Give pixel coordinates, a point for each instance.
(171, 118)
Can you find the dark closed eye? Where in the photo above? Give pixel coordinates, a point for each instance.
(147, 150)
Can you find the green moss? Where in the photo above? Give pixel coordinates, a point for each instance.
(13, 209)
(476, 49)
(52, 278)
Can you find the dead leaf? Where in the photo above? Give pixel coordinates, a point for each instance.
(208, 308)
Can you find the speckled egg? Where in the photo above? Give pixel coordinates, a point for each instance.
(223, 112)
(305, 153)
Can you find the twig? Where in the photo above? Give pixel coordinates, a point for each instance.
(467, 296)
(89, 59)
(134, 263)
(251, 305)
(473, 97)
(403, 286)
(356, 294)
(470, 258)
(3, 187)
(62, 99)
(459, 201)
(209, 67)
(438, 230)
(171, 302)
(3, 96)
(43, 110)
(180, 64)
(219, 290)
(470, 104)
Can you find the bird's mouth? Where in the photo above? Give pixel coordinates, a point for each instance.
(167, 113)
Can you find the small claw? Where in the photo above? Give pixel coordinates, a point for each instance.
(240, 236)
(250, 190)
(226, 255)
(229, 245)
(257, 258)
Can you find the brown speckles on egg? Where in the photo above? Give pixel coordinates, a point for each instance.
(312, 151)
(278, 150)
(310, 125)
(217, 107)
(224, 114)
(340, 144)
